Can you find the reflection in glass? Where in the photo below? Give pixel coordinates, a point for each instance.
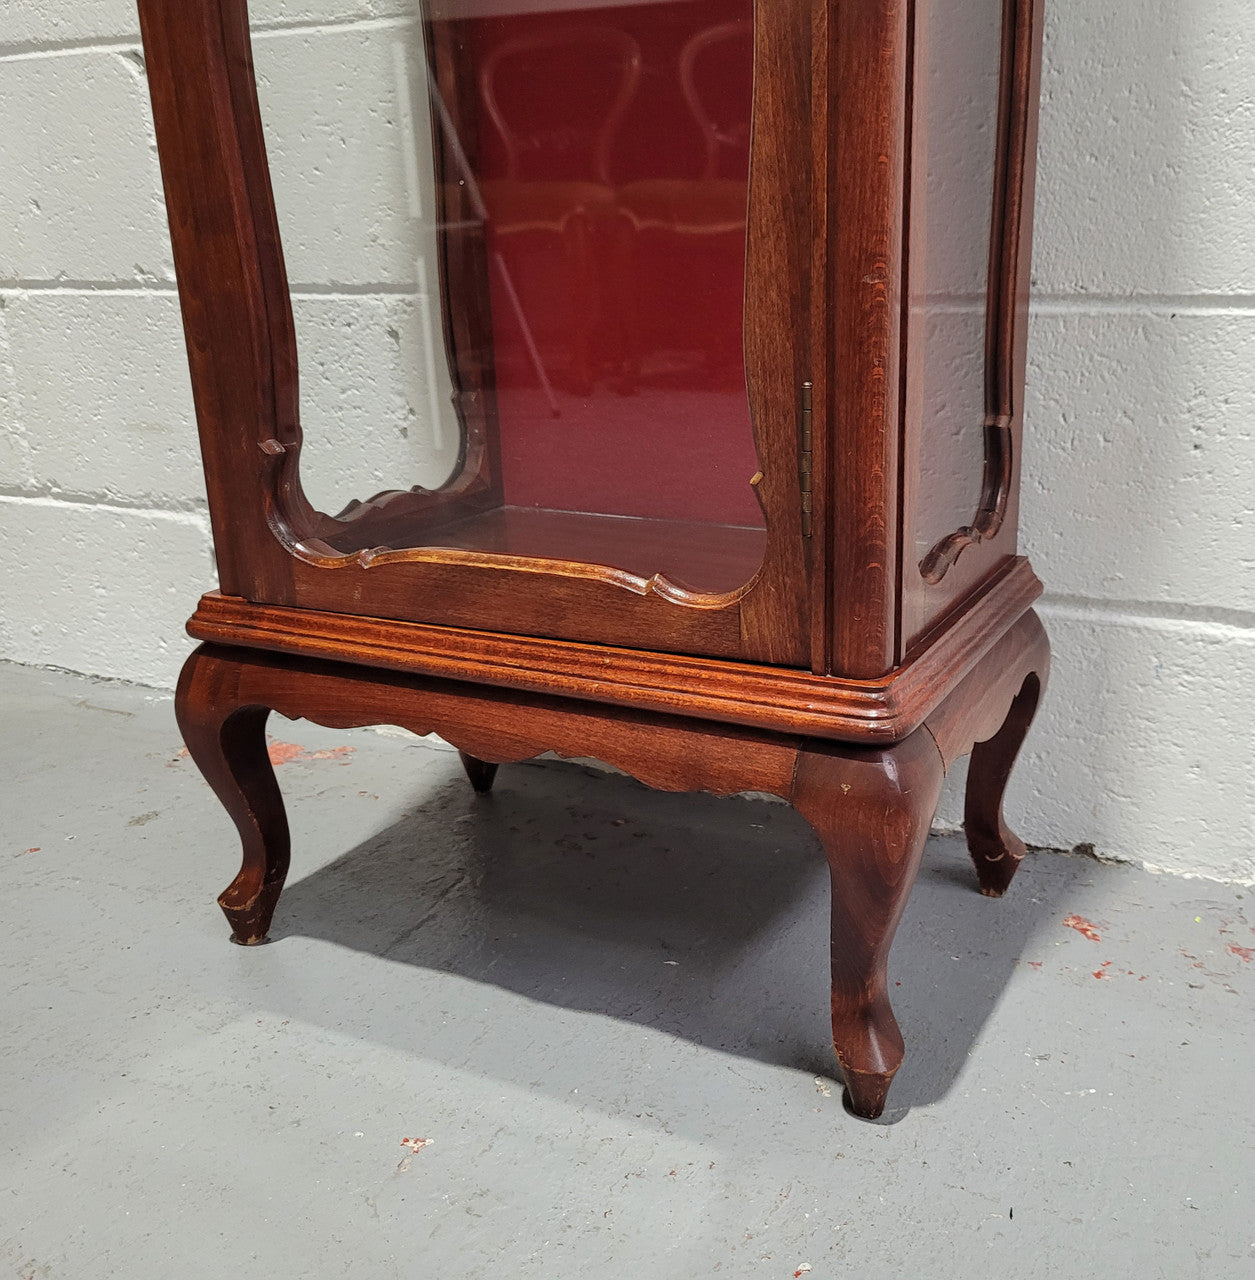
(577, 182)
(959, 118)
(359, 224)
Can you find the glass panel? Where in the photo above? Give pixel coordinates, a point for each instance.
(960, 119)
(576, 184)
(358, 219)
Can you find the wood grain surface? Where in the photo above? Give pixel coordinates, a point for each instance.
(826, 264)
(871, 807)
(776, 698)
(815, 661)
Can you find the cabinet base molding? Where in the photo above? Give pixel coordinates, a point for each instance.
(780, 699)
(870, 804)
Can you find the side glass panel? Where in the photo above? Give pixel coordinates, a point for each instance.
(961, 67)
(518, 275)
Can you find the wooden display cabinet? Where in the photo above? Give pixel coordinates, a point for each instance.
(725, 322)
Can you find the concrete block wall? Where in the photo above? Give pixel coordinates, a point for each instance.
(1140, 469)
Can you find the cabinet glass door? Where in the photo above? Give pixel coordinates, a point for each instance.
(575, 186)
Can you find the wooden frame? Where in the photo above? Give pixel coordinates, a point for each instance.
(871, 711)
(241, 344)
(844, 677)
(824, 305)
(870, 807)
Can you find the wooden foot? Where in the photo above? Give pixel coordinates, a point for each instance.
(996, 850)
(225, 695)
(872, 811)
(480, 772)
(227, 740)
(871, 806)
(988, 714)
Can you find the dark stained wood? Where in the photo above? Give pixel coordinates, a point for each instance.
(825, 667)
(272, 546)
(225, 694)
(975, 709)
(483, 591)
(775, 625)
(1022, 660)
(866, 711)
(989, 714)
(480, 772)
(226, 736)
(870, 807)
(822, 339)
(1003, 241)
(872, 812)
(867, 123)
(217, 192)
(996, 850)
(824, 304)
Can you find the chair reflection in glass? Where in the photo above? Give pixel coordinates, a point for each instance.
(555, 158)
(691, 229)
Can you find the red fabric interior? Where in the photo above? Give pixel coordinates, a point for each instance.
(618, 247)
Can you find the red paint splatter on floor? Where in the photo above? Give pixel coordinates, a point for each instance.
(1035, 964)
(1242, 953)
(290, 753)
(1102, 971)
(416, 1144)
(1086, 927)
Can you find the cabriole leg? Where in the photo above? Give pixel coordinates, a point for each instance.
(227, 741)
(872, 811)
(996, 850)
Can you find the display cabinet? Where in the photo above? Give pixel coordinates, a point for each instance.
(723, 309)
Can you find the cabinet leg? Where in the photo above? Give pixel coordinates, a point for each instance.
(480, 772)
(227, 741)
(872, 811)
(996, 850)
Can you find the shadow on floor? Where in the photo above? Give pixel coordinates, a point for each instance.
(704, 918)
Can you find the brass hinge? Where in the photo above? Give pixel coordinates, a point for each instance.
(806, 457)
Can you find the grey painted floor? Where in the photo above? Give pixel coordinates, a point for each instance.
(605, 1011)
